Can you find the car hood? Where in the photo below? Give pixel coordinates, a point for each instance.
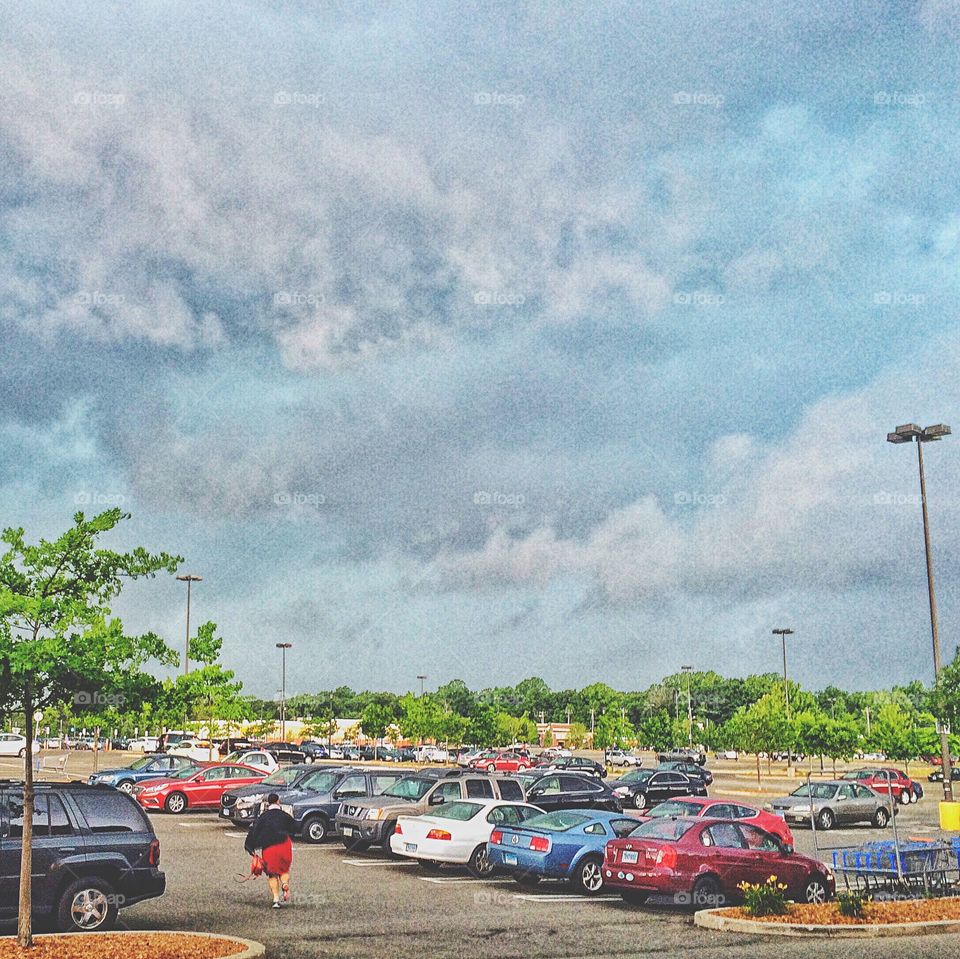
(251, 789)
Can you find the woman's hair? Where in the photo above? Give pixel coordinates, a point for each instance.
(273, 799)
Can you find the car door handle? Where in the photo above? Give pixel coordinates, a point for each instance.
(68, 849)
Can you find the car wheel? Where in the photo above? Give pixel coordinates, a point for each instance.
(385, 845)
(588, 877)
(126, 786)
(491, 768)
(633, 898)
(526, 878)
(429, 865)
(639, 801)
(912, 796)
(881, 817)
(521, 769)
(815, 890)
(479, 865)
(176, 803)
(315, 829)
(825, 820)
(23, 753)
(706, 893)
(903, 798)
(87, 904)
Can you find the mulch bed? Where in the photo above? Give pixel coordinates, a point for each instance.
(874, 913)
(91, 946)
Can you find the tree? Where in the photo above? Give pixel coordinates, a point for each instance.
(577, 736)
(655, 731)
(58, 638)
(375, 720)
(944, 700)
(482, 725)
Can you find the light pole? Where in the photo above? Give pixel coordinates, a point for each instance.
(283, 647)
(688, 670)
(908, 433)
(421, 678)
(189, 579)
(783, 634)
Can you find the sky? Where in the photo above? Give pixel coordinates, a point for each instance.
(488, 340)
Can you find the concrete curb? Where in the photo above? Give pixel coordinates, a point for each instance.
(247, 948)
(712, 919)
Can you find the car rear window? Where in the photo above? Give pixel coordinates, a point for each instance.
(675, 808)
(669, 829)
(510, 789)
(409, 788)
(461, 811)
(49, 816)
(558, 821)
(111, 811)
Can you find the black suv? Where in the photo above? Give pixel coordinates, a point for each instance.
(564, 791)
(285, 752)
(94, 852)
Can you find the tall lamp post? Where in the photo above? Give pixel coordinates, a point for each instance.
(283, 647)
(688, 670)
(908, 433)
(421, 678)
(189, 579)
(783, 634)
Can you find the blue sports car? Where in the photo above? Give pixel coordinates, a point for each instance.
(566, 844)
(148, 767)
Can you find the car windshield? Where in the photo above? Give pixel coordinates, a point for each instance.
(815, 791)
(319, 782)
(669, 829)
(409, 788)
(184, 773)
(636, 776)
(461, 811)
(851, 775)
(559, 821)
(233, 757)
(140, 763)
(676, 808)
(282, 777)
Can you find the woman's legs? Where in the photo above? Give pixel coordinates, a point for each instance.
(285, 885)
(274, 883)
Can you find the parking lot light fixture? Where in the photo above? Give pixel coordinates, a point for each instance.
(688, 670)
(283, 647)
(908, 433)
(783, 633)
(189, 579)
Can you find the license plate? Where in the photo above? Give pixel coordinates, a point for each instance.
(410, 847)
(629, 856)
(223, 812)
(348, 830)
(509, 859)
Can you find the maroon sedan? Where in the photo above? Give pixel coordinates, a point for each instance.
(703, 861)
(706, 808)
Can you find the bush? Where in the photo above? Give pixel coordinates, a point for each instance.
(850, 904)
(764, 899)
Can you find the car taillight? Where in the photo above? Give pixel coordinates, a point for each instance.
(496, 837)
(667, 856)
(154, 856)
(540, 844)
(438, 834)
(398, 831)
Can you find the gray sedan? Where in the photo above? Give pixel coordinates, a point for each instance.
(834, 802)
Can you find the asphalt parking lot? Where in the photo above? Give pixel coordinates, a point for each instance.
(367, 905)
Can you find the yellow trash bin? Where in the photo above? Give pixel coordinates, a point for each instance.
(950, 816)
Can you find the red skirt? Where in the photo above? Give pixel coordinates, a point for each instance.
(277, 859)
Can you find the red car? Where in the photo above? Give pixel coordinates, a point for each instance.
(899, 784)
(201, 789)
(705, 808)
(702, 862)
(507, 762)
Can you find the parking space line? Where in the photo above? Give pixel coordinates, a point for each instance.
(562, 897)
(375, 862)
(462, 879)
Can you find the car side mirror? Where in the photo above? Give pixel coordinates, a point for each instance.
(437, 800)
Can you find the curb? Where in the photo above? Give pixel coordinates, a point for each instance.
(711, 919)
(249, 948)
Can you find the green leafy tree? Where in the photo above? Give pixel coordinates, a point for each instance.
(482, 725)
(58, 637)
(578, 736)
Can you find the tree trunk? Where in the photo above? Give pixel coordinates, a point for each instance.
(25, 917)
(834, 758)
(758, 768)
(821, 762)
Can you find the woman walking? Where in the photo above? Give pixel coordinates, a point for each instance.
(271, 835)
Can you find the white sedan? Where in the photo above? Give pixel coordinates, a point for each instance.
(199, 750)
(457, 833)
(11, 744)
(258, 758)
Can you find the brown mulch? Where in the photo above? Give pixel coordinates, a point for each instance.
(91, 946)
(874, 913)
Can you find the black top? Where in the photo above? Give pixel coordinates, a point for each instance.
(271, 828)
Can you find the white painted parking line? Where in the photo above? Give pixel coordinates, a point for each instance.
(375, 862)
(236, 835)
(561, 897)
(446, 880)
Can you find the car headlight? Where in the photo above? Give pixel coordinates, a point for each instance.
(287, 808)
(375, 813)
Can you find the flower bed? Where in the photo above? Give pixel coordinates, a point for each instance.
(90, 945)
(874, 913)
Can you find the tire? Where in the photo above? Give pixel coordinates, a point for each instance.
(588, 876)
(826, 820)
(429, 865)
(126, 787)
(640, 801)
(479, 865)
(23, 753)
(315, 829)
(706, 893)
(880, 818)
(491, 768)
(385, 845)
(175, 803)
(815, 890)
(521, 769)
(633, 898)
(904, 798)
(86, 905)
